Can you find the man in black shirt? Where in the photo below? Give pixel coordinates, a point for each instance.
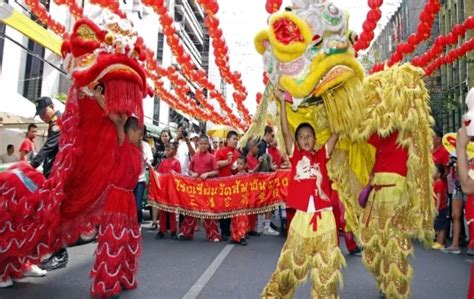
(46, 156)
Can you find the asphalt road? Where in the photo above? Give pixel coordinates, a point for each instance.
(199, 269)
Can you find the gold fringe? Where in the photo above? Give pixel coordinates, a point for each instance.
(209, 215)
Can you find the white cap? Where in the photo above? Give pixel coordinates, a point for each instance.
(193, 135)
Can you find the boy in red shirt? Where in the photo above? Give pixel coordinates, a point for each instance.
(441, 222)
(203, 165)
(168, 165)
(312, 241)
(226, 158)
(27, 148)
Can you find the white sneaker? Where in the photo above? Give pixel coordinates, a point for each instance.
(216, 240)
(35, 271)
(270, 232)
(7, 283)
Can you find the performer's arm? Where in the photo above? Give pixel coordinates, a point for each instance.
(209, 174)
(118, 119)
(331, 144)
(438, 200)
(284, 127)
(226, 162)
(467, 184)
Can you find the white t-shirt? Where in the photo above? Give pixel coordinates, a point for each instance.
(183, 156)
(147, 159)
(9, 158)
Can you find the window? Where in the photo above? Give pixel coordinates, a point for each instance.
(33, 78)
(156, 111)
(159, 48)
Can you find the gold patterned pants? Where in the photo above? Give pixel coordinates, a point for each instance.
(384, 235)
(308, 250)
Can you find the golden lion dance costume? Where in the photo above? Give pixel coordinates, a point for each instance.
(308, 60)
(39, 216)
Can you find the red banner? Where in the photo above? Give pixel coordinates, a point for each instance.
(219, 197)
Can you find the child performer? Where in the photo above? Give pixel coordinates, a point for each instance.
(203, 165)
(312, 241)
(440, 191)
(239, 231)
(119, 233)
(168, 165)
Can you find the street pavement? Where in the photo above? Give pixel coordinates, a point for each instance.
(199, 269)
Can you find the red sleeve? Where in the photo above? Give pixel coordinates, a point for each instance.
(26, 146)
(160, 166)
(321, 155)
(220, 155)
(374, 140)
(191, 164)
(177, 166)
(214, 163)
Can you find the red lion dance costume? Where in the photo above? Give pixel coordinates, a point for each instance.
(38, 216)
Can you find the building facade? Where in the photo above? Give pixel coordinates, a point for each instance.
(30, 70)
(448, 85)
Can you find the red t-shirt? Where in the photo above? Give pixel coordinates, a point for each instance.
(27, 146)
(441, 155)
(203, 162)
(309, 177)
(128, 165)
(169, 164)
(221, 155)
(440, 187)
(276, 155)
(252, 162)
(389, 157)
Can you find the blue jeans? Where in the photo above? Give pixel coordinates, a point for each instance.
(139, 191)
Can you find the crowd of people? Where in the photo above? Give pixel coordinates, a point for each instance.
(455, 209)
(196, 155)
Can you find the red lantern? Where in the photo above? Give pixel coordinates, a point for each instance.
(458, 30)
(369, 25)
(375, 3)
(374, 15)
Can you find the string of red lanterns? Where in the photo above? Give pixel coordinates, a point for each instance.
(450, 57)
(427, 17)
(191, 108)
(184, 60)
(221, 56)
(40, 11)
(442, 41)
(373, 16)
(112, 5)
(75, 10)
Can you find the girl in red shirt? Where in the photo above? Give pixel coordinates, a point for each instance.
(312, 242)
(168, 165)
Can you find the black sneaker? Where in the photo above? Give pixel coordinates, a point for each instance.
(356, 252)
(174, 236)
(243, 242)
(183, 238)
(159, 235)
(56, 261)
(254, 233)
(225, 238)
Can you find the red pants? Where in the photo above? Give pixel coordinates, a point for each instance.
(210, 225)
(164, 222)
(239, 227)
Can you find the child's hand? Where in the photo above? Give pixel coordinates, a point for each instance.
(204, 176)
(194, 175)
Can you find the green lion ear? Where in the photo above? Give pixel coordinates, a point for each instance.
(261, 41)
